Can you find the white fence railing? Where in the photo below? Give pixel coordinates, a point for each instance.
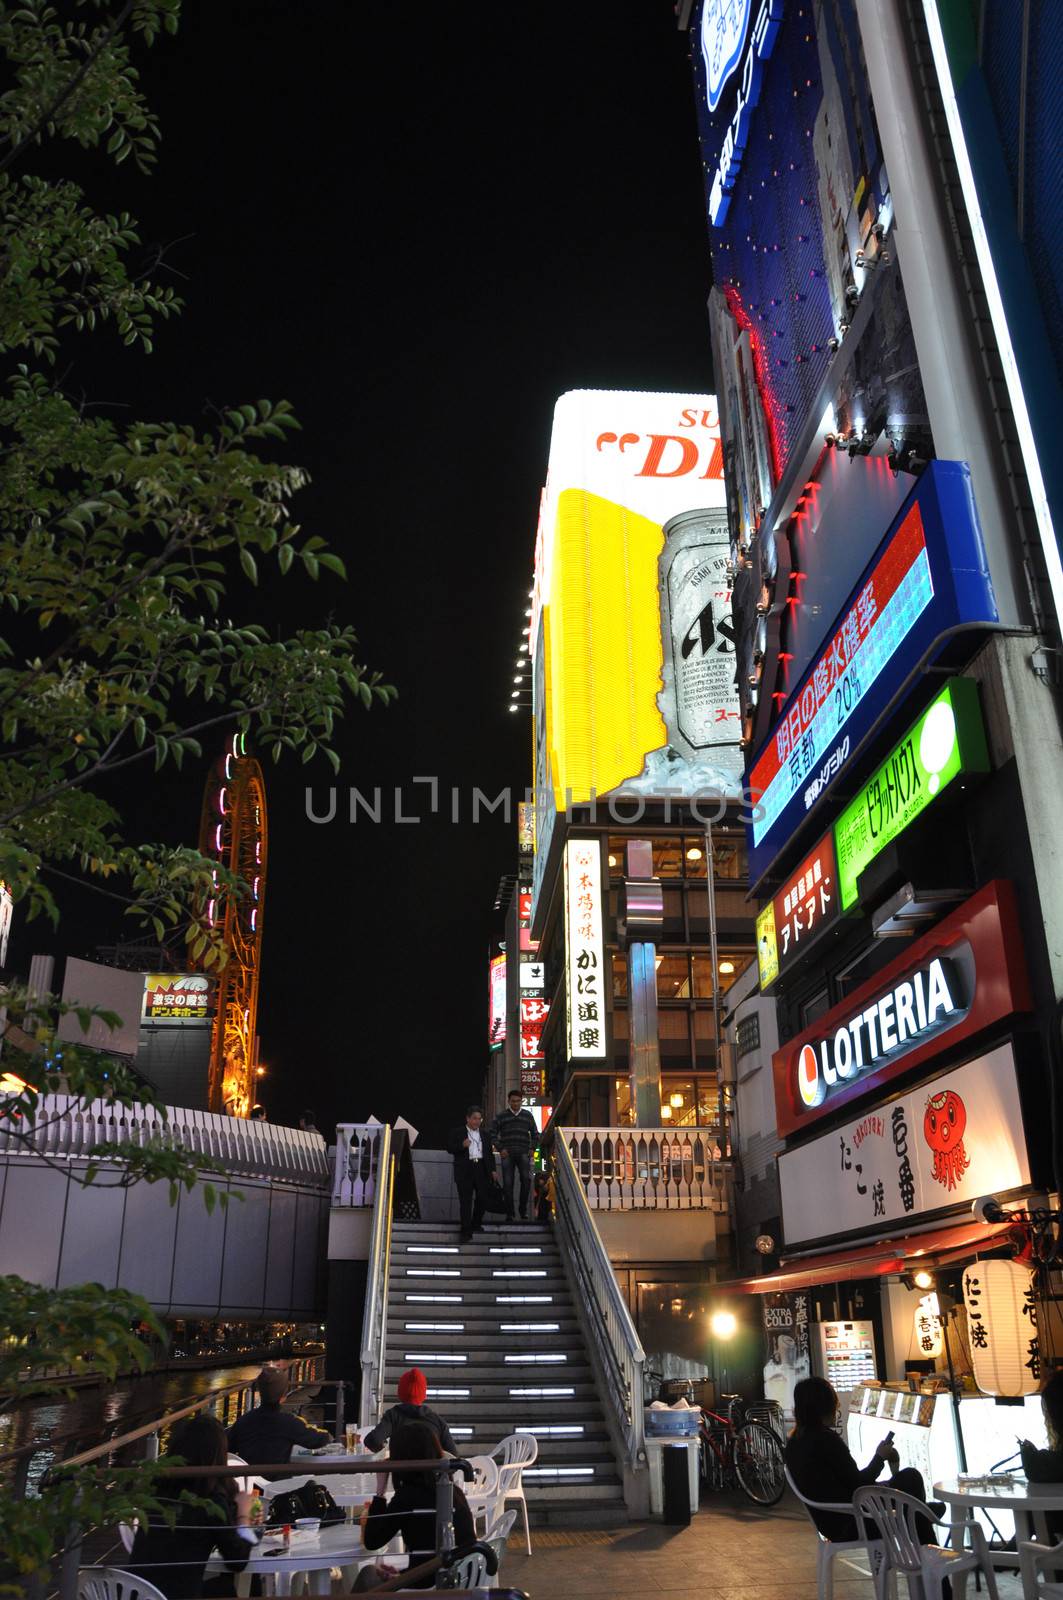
(650, 1169)
(375, 1316)
(64, 1127)
(602, 1310)
(359, 1147)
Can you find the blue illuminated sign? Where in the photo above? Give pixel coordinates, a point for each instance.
(928, 578)
(724, 25)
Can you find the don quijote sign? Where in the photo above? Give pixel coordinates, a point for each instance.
(958, 980)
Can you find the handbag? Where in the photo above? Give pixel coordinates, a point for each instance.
(312, 1500)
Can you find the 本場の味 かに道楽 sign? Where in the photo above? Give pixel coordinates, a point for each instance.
(585, 950)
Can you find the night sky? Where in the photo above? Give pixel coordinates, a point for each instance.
(419, 225)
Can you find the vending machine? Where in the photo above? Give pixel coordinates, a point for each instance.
(844, 1353)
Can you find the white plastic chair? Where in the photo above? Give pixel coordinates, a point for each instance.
(894, 1514)
(827, 1550)
(481, 1491)
(111, 1583)
(470, 1571)
(1032, 1559)
(517, 1450)
(496, 1536)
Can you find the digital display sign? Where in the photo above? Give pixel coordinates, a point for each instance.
(928, 579)
(496, 1001)
(947, 740)
(805, 906)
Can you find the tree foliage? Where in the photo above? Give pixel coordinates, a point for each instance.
(123, 547)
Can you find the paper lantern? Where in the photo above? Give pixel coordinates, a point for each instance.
(1002, 1327)
(929, 1343)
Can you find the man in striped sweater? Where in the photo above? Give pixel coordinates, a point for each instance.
(514, 1135)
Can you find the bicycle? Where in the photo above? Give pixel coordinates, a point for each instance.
(736, 1450)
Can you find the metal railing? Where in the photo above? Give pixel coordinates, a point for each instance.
(375, 1318)
(64, 1127)
(358, 1161)
(650, 1169)
(602, 1310)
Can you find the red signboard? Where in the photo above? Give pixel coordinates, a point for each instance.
(806, 905)
(963, 977)
(533, 1013)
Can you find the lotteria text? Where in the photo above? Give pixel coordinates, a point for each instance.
(890, 1024)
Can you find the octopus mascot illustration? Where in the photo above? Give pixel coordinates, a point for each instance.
(943, 1125)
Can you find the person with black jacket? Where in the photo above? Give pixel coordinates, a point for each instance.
(474, 1170)
(1046, 1466)
(412, 1390)
(514, 1135)
(174, 1558)
(411, 1510)
(267, 1434)
(823, 1468)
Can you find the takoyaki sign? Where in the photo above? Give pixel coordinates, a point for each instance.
(939, 1145)
(964, 976)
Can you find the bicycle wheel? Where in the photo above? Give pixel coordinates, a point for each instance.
(758, 1463)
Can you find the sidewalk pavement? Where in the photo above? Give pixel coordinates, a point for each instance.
(731, 1551)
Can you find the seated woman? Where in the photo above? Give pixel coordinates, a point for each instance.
(823, 1468)
(1046, 1466)
(411, 1510)
(174, 1559)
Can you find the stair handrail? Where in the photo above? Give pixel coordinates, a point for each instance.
(375, 1317)
(602, 1308)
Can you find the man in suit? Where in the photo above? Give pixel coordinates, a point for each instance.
(474, 1169)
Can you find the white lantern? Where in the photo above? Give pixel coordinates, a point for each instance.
(929, 1343)
(1002, 1327)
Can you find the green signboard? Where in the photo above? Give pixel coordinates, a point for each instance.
(947, 741)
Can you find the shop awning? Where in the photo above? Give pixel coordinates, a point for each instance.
(936, 1248)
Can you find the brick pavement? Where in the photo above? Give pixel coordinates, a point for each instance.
(731, 1551)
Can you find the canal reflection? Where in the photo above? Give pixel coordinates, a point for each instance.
(101, 1411)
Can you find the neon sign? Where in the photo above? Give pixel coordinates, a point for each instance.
(724, 24)
(734, 142)
(927, 581)
(947, 740)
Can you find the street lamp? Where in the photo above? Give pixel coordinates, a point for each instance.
(724, 1326)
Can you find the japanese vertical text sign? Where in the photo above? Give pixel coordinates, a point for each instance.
(805, 906)
(584, 950)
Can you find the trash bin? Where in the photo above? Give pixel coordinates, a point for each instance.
(675, 1459)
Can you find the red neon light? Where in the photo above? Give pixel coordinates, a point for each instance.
(760, 373)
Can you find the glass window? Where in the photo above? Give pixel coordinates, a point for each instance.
(625, 1111)
(679, 1103)
(708, 1103)
(668, 858)
(694, 855)
(732, 964)
(620, 977)
(673, 977)
(616, 858)
(729, 858)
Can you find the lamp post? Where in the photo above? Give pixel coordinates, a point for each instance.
(724, 1326)
(714, 957)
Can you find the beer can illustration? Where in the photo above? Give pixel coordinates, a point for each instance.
(698, 700)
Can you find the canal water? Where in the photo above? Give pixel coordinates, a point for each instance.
(102, 1411)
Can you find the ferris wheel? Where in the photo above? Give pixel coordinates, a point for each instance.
(233, 830)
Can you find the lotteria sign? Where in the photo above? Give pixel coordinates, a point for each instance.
(961, 978)
(928, 579)
(947, 741)
(923, 1003)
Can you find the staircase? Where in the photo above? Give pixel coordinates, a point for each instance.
(493, 1327)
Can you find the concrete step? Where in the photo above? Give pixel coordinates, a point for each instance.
(536, 1298)
(496, 1323)
(478, 1274)
(500, 1353)
(573, 1514)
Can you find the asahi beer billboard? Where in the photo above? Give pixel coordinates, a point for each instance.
(631, 634)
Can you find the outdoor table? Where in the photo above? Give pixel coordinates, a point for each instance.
(353, 1490)
(1027, 1502)
(314, 1553)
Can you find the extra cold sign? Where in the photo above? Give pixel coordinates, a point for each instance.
(963, 977)
(918, 1006)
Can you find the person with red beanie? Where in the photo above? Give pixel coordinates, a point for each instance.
(412, 1391)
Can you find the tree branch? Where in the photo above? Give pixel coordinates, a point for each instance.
(49, 113)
